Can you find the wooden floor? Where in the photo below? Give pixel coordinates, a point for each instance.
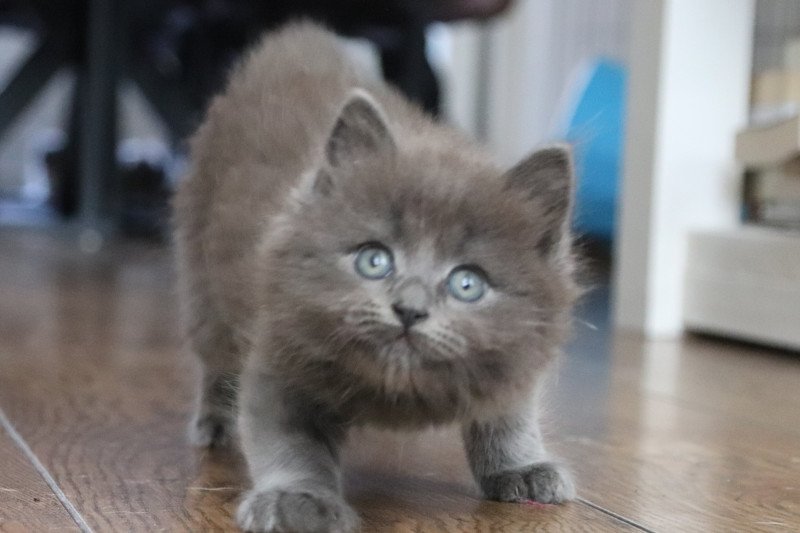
(698, 435)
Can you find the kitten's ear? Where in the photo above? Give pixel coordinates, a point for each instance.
(360, 132)
(547, 178)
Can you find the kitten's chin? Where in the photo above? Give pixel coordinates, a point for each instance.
(392, 362)
(415, 347)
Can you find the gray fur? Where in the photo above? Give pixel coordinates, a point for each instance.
(299, 163)
(510, 463)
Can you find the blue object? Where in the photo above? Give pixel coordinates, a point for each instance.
(595, 128)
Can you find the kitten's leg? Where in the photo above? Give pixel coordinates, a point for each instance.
(292, 455)
(510, 463)
(214, 421)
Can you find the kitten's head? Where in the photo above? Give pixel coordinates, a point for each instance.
(414, 274)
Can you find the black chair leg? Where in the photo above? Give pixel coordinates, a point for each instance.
(99, 188)
(28, 82)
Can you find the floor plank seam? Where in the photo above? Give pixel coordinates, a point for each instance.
(614, 515)
(42, 471)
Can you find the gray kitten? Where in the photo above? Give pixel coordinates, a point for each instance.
(344, 260)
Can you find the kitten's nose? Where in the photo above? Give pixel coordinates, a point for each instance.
(408, 315)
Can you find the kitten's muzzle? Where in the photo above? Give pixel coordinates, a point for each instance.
(412, 299)
(408, 315)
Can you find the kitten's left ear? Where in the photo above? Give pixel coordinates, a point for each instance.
(547, 178)
(360, 132)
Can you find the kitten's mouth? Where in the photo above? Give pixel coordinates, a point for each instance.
(405, 343)
(411, 344)
(406, 337)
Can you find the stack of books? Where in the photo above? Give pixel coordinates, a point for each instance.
(769, 149)
(771, 157)
(745, 282)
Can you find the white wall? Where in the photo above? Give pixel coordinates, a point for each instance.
(689, 89)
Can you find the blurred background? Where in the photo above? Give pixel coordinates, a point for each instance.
(682, 115)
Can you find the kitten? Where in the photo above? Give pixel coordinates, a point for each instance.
(344, 260)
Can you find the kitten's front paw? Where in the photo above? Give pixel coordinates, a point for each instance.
(542, 482)
(296, 512)
(211, 431)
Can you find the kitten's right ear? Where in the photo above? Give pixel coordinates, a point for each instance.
(547, 178)
(360, 132)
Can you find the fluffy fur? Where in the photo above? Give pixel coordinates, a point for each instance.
(299, 163)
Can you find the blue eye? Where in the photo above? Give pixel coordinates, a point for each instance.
(466, 284)
(374, 262)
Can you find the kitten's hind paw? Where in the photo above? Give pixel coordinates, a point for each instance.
(544, 482)
(211, 431)
(302, 511)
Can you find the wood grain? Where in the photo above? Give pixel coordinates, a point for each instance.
(706, 429)
(94, 377)
(711, 476)
(714, 376)
(695, 435)
(421, 482)
(26, 501)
